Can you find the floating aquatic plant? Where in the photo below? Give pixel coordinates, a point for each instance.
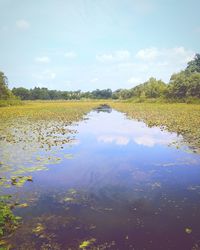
(8, 221)
(86, 243)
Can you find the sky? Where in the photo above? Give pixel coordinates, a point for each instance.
(90, 44)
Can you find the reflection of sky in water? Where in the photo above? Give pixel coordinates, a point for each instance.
(113, 150)
(115, 129)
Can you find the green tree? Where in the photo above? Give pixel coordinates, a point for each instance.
(178, 85)
(184, 84)
(23, 93)
(116, 94)
(101, 94)
(55, 95)
(154, 88)
(39, 93)
(194, 65)
(193, 89)
(125, 94)
(5, 93)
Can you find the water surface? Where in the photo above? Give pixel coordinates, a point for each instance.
(118, 184)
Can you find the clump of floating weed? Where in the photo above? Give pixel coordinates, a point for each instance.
(44, 123)
(86, 243)
(8, 221)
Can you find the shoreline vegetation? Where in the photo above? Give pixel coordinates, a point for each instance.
(18, 102)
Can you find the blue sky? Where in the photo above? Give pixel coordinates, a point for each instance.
(89, 44)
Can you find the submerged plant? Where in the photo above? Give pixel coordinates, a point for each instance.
(86, 243)
(8, 221)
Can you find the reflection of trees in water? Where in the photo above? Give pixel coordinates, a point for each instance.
(103, 108)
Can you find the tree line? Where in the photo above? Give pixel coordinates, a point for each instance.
(181, 85)
(46, 94)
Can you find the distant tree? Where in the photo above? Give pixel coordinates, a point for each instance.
(23, 93)
(194, 65)
(5, 93)
(193, 89)
(116, 94)
(76, 95)
(66, 95)
(154, 88)
(39, 93)
(106, 93)
(86, 94)
(138, 91)
(178, 85)
(184, 84)
(125, 94)
(55, 95)
(101, 94)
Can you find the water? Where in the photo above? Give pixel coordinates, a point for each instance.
(117, 185)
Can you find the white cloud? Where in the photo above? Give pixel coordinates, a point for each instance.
(117, 56)
(134, 80)
(117, 74)
(105, 58)
(70, 55)
(151, 140)
(122, 140)
(22, 24)
(94, 80)
(179, 54)
(146, 141)
(122, 55)
(42, 59)
(160, 63)
(50, 74)
(45, 75)
(117, 139)
(68, 84)
(147, 54)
